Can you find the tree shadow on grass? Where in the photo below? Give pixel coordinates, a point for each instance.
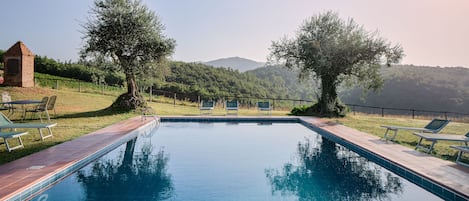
(97, 113)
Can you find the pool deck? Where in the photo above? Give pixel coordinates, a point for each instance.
(21, 174)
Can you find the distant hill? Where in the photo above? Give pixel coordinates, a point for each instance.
(281, 77)
(236, 63)
(405, 86)
(418, 87)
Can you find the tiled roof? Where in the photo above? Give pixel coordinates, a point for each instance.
(18, 49)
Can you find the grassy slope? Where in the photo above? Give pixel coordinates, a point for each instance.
(81, 113)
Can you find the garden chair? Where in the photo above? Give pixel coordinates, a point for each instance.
(51, 106)
(38, 109)
(7, 106)
(434, 126)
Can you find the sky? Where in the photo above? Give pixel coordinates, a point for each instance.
(431, 32)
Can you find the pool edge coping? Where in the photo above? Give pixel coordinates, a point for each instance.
(312, 123)
(49, 178)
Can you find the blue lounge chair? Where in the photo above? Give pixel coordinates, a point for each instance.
(264, 106)
(232, 106)
(434, 138)
(5, 123)
(207, 106)
(434, 126)
(9, 135)
(462, 150)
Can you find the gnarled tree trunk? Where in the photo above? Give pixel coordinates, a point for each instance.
(132, 99)
(328, 101)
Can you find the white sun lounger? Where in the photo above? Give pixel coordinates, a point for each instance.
(207, 106)
(9, 135)
(434, 138)
(434, 126)
(5, 123)
(232, 106)
(462, 150)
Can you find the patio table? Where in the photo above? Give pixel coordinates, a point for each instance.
(22, 103)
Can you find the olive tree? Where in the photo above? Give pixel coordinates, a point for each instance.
(132, 36)
(333, 50)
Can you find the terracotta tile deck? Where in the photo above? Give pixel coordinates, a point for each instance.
(445, 173)
(22, 173)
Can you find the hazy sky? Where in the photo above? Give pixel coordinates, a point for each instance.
(432, 32)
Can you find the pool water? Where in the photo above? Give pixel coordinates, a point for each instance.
(226, 161)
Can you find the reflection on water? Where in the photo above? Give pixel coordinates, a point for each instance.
(220, 161)
(137, 176)
(326, 171)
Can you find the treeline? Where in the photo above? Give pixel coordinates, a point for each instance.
(189, 79)
(405, 86)
(206, 81)
(45, 65)
(77, 71)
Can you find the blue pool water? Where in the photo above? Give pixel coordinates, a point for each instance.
(225, 161)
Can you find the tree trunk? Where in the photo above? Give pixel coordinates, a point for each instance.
(328, 102)
(132, 99)
(126, 165)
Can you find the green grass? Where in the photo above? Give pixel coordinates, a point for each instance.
(82, 113)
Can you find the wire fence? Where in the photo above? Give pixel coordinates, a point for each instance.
(245, 102)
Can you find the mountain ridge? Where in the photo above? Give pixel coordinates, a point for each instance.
(236, 63)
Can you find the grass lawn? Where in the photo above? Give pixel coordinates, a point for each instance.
(82, 113)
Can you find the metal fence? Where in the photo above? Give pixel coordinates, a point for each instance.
(414, 113)
(247, 102)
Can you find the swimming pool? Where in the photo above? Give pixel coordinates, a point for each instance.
(233, 161)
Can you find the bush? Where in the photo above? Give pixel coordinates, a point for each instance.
(314, 110)
(300, 110)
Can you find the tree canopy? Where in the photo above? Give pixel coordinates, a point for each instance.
(332, 49)
(131, 35)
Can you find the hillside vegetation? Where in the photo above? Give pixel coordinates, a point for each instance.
(406, 86)
(422, 88)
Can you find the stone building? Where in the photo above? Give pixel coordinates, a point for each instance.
(18, 64)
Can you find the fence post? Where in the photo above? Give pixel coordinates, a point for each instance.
(353, 109)
(446, 115)
(79, 85)
(273, 104)
(198, 101)
(151, 93)
(174, 98)
(382, 112)
(56, 84)
(413, 114)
